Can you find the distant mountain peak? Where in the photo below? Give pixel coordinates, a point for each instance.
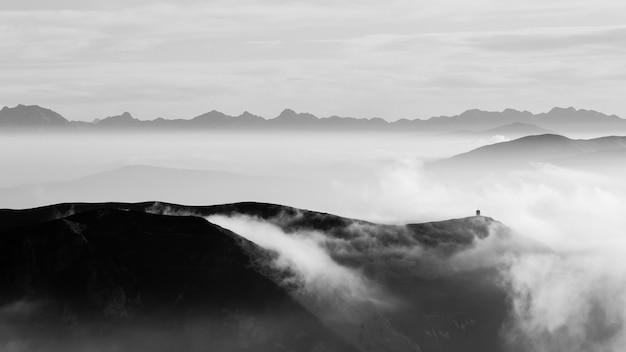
(287, 113)
(291, 114)
(118, 120)
(509, 110)
(30, 115)
(557, 110)
(471, 112)
(213, 114)
(248, 115)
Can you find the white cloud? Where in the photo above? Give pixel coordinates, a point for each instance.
(317, 277)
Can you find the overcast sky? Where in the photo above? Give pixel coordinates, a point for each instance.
(393, 59)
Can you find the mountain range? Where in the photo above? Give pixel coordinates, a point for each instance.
(558, 120)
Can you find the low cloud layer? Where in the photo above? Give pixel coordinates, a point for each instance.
(561, 266)
(568, 301)
(567, 292)
(313, 273)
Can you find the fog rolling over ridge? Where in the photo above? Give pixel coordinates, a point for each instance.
(540, 270)
(547, 276)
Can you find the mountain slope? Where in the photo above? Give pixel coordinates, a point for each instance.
(516, 130)
(522, 152)
(31, 116)
(611, 162)
(431, 304)
(124, 120)
(128, 280)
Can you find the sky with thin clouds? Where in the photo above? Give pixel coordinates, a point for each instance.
(362, 58)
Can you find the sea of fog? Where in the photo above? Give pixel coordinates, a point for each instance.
(569, 298)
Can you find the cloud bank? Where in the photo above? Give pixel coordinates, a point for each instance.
(561, 266)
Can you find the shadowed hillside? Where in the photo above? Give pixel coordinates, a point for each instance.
(127, 280)
(153, 263)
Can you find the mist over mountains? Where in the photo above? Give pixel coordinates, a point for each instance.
(509, 121)
(285, 177)
(112, 274)
(593, 155)
(416, 274)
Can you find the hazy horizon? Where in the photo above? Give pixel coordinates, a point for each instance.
(270, 117)
(405, 60)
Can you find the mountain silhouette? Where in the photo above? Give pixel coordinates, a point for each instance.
(136, 281)
(516, 130)
(161, 268)
(123, 120)
(31, 116)
(542, 148)
(559, 120)
(523, 152)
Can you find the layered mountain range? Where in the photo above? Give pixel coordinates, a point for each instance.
(602, 156)
(509, 121)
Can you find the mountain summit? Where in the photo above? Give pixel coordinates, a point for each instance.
(124, 117)
(30, 116)
(290, 115)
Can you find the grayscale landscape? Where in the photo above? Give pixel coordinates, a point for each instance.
(312, 176)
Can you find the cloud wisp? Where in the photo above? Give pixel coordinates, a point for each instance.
(317, 277)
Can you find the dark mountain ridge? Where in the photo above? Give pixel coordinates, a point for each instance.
(127, 280)
(291, 219)
(150, 264)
